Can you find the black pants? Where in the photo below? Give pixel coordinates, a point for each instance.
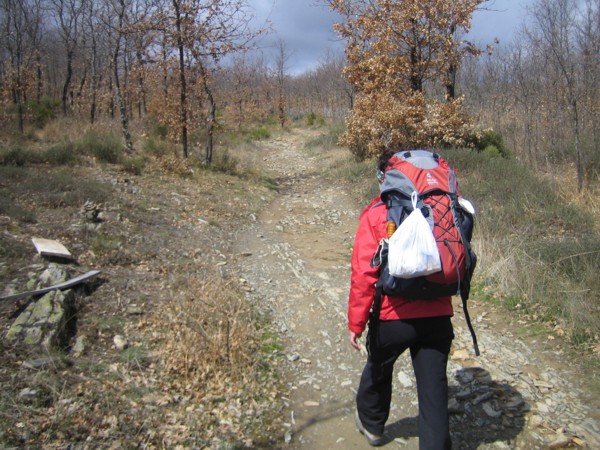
(429, 342)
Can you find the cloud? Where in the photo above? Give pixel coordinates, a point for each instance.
(498, 19)
(305, 27)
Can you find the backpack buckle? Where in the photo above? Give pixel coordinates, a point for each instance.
(377, 258)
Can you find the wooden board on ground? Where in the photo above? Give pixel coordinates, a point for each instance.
(49, 247)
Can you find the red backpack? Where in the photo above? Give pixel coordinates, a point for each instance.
(449, 216)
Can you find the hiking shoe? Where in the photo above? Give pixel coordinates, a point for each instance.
(373, 439)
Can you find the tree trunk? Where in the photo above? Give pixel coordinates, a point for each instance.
(210, 117)
(119, 93)
(182, 81)
(121, 102)
(451, 83)
(19, 103)
(578, 157)
(142, 108)
(39, 75)
(67, 84)
(93, 85)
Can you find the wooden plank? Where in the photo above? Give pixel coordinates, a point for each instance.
(67, 284)
(49, 247)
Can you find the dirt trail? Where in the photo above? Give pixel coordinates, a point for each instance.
(517, 394)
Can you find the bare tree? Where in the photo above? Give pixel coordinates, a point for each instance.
(281, 60)
(13, 37)
(180, 17)
(119, 9)
(20, 38)
(203, 30)
(588, 40)
(554, 32)
(67, 14)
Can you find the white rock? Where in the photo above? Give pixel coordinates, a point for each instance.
(120, 342)
(404, 379)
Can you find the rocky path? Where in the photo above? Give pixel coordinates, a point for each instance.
(295, 257)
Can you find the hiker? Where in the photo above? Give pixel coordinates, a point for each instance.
(422, 326)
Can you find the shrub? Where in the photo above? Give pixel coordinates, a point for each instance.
(259, 133)
(157, 147)
(61, 154)
(104, 146)
(16, 156)
(535, 249)
(134, 166)
(492, 151)
(489, 138)
(314, 119)
(224, 162)
(43, 112)
(161, 130)
(9, 208)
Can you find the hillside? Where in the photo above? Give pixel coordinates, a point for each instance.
(176, 246)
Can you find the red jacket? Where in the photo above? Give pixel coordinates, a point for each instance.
(371, 229)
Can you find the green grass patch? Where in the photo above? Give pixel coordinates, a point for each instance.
(10, 208)
(61, 154)
(259, 133)
(157, 147)
(15, 156)
(103, 244)
(64, 188)
(44, 111)
(270, 343)
(329, 139)
(134, 166)
(113, 324)
(135, 356)
(105, 146)
(313, 119)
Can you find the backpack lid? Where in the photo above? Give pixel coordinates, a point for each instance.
(396, 180)
(423, 159)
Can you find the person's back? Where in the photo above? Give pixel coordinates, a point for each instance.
(421, 325)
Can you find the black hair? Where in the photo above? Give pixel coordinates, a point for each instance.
(384, 159)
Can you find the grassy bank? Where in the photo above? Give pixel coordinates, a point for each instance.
(536, 238)
(200, 365)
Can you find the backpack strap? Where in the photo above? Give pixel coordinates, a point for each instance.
(373, 336)
(464, 295)
(465, 284)
(398, 206)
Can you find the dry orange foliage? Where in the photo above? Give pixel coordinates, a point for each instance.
(402, 59)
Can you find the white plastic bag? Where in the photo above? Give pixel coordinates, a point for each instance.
(412, 248)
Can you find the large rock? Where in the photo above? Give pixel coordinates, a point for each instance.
(45, 322)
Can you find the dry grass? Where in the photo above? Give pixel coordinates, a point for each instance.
(589, 197)
(208, 334)
(196, 372)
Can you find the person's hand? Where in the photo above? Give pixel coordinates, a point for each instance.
(354, 337)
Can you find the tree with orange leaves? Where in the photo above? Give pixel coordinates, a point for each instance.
(402, 60)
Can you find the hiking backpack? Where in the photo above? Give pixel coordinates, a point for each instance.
(450, 218)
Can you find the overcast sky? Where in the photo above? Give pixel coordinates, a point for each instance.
(306, 27)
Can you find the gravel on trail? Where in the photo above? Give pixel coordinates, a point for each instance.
(521, 393)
